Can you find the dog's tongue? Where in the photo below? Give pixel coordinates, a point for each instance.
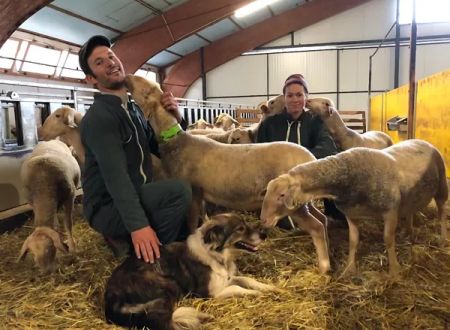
(246, 246)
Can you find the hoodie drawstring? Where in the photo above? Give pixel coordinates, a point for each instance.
(289, 131)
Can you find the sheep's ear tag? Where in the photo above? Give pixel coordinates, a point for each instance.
(170, 133)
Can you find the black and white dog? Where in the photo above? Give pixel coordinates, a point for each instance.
(141, 294)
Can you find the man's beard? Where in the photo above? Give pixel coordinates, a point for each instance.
(117, 85)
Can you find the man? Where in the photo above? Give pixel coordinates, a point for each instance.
(296, 125)
(120, 201)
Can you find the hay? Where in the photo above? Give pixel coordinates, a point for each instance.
(72, 298)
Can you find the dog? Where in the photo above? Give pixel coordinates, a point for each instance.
(140, 294)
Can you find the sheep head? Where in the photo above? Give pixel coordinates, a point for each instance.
(239, 136)
(59, 123)
(321, 106)
(147, 95)
(282, 197)
(43, 243)
(274, 106)
(226, 122)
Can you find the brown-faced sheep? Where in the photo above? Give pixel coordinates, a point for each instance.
(63, 123)
(344, 137)
(50, 176)
(199, 160)
(391, 183)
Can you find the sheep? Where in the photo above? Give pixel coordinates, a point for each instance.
(393, 182)
(226, 122)
(50, 176)
(198, 161)
(241, 136)
(344, 137)
(200, 124)
(274, 105)
(63, 123)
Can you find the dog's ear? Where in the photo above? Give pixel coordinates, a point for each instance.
(215, 236)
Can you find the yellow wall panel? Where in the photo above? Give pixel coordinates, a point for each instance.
(432, 112)
(376, 114)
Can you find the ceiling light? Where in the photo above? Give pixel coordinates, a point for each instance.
(252, 7)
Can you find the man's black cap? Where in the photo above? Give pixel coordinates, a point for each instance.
(87, 48)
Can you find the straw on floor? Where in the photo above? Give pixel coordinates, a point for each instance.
(72, 297)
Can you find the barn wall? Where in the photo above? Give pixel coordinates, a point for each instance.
(432, 112)
(324, 69)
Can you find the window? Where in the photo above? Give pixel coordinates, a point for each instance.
(427, 11)
(7, 53)
(150, 75)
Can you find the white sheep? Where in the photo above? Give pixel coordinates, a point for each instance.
(242, 136)
(63, 123)
(390, 183)
(273, 106)
(226, 122)
(344, 137)
(50, 176)
(200, 124)
(233, 176)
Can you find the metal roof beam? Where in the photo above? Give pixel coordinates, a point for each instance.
(14, 12)
(188, 69)
(148, 39)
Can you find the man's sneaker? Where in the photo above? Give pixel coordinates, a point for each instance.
(119, 247)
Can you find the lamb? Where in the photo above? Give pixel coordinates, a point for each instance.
(394, 182)
(241, 136)
(50, 176)
(274, 105)
(226, 122)
(63, 123)
(200, 124)
(198, 160)
(344, 137)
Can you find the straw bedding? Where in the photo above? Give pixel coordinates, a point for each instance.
(72, 298)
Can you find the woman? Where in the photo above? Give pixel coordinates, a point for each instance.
(296, 125)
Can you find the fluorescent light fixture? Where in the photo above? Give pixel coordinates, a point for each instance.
(289, 50)
(429, 11)
(252, 7)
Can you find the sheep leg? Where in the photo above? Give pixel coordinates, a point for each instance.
(443, 220)
(316, 229)
(390, 224)
(68, 221)
(322, 218)
(410, 226)
(353, 241)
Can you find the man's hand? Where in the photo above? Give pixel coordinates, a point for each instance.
(146, 244)
(169, 103)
